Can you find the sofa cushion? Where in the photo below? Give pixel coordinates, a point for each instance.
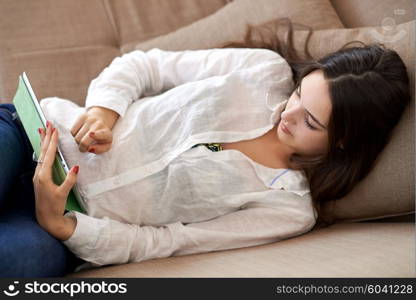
(389, 189)
(341, 250)
(64, 73)
(229, 23)
(63, 45)
(48, 24)
(141, 20)
(359, 13)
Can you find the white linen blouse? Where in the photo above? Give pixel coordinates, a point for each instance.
(152, 195)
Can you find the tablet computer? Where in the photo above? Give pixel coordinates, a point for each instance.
(32, 117)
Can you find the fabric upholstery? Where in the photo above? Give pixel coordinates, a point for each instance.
(358, 13)
(230, 22)
(63, 45)
(141, 20)
(341, 250)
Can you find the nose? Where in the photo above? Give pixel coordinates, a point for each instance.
(290, 115)
(287, 118)
(284, 121)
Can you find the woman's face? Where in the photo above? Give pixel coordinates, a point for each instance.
(306, 116)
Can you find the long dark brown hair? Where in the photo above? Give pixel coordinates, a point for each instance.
(369, 90)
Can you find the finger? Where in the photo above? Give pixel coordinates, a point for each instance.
(45, 141)
(50, 155)
(42, 133)
(99, 148)
(78, 124)
(102, 135)
(69, 182)
(46, 136)
(85, 141)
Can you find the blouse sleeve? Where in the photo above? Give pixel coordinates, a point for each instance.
(138, 73)
(106, 241)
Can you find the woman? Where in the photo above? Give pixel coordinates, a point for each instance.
(153, 187)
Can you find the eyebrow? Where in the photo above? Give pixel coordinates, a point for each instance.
(309, 113)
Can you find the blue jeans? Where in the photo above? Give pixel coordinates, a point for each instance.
(26, 250)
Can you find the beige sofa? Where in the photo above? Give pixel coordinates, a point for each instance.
(64, 44)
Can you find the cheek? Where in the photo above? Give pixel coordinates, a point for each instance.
(314, 144)
(308, 142)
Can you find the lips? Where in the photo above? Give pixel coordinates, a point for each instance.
(285, 129)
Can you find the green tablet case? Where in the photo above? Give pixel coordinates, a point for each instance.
(32, 118)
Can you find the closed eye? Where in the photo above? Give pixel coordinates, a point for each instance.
(308, 124)
(306, 116)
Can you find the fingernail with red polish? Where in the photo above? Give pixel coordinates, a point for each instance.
(40, 131)
(76, 169)
(92, 133)
(47, 123)
(92, 150)
(53, 130)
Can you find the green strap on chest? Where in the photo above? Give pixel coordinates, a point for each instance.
(215, 147)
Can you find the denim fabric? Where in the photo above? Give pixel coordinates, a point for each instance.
(26, 250)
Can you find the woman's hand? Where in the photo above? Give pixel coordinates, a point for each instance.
(92, 129)
(51, 198)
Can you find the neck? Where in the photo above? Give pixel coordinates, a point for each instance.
(282, 151)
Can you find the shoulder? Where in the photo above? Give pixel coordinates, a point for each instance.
(236, 52)
(258, 53)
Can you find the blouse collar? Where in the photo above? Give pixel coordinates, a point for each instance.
(284, 179)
